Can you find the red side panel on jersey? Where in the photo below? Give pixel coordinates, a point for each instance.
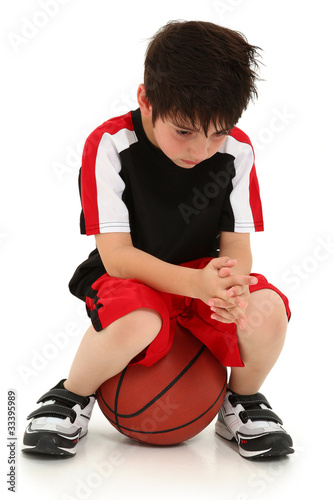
(255, 200)
(88, 187)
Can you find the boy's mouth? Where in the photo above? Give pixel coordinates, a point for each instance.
(190, 162)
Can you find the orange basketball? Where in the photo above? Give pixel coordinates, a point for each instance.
(171, 401)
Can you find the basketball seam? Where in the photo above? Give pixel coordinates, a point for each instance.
(158, 396)
(117, 397)
(166, 430)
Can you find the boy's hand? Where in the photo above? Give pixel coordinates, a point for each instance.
(226, 294)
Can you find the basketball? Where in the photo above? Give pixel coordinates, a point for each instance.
(170, 401)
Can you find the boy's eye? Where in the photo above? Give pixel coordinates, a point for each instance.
(183, 132)
(222, 133)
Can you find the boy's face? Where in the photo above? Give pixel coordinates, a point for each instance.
(185, 146)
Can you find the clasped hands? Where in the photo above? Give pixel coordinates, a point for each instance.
(227, 294)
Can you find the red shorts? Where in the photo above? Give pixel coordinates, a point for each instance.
(111, 298)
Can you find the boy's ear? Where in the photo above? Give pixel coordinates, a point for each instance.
(145, 107)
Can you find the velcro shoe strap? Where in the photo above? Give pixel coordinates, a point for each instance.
(65, 396)
(53, 411)
(253, 399)
(256, 414)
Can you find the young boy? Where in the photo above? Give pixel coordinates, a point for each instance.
(171, 194)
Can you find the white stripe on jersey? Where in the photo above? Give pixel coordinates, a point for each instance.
(240, 194)
(112, 211)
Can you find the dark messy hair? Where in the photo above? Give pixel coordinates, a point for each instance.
(198, 73)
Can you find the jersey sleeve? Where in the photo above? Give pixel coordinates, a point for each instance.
(101, 187)
(243, 209)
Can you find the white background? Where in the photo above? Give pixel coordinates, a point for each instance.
(67, 67)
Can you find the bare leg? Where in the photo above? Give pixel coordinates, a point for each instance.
(101, 355)
(261, 342)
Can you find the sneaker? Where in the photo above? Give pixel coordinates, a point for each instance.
(59, 423)
(250, 421)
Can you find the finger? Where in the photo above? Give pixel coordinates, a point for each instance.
(220, 262)
(224, 300)
(239, 280)
(226, 317)
(239, 317)
(242, 304)
(227, 304)
(236, 314)
(223, 313)
(224, 272)
(223, 318)
(237, 290)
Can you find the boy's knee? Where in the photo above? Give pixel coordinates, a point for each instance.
(137, 329)
(266, 311)
(268, 303)
(147, 320)
(276, 309)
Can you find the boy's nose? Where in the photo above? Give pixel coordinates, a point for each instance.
(199, 151)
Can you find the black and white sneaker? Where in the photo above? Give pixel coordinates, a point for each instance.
(59, 423)
(251, 422)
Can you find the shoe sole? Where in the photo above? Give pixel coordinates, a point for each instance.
(274, 445)
(50, 443)
(47, 446)
(279, 449)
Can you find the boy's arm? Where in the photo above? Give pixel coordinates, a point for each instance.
(237, 246)
(122, 260)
